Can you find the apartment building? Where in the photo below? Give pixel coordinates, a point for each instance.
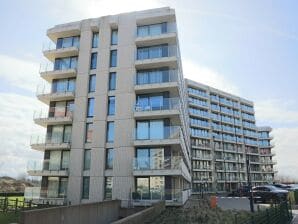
(224, 136)
(116, 124)
(123, 123)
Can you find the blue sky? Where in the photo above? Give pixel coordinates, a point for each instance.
(249, 48)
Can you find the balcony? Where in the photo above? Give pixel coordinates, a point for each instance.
(39, 195)
(172, 197)
(166, 107)
(48, 72)
(156, 81)
(147, 36)
(157, 56)
(53, 116)
(49, 143)
(45, 95)
(174, 166)
(52, 53)
(168, 135)
(47, 168)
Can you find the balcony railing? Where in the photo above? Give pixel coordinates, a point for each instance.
(40, 193)
(50, 139)
(167, 132)
(54, 112)
(49, 67)
(155, 52)
(164, 104)
(47, 165)
(44, 90)
(154, 77)
(150, 163)
(155, 30)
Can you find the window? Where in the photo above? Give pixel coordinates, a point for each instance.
(65, 63)
(86, 182)
(113, 58)
(90, 109)
(87, 159)
(112, 81)
(67, 133)
(93, 63)
(109, 158)
(111, 105)
(150, 76)
(89, 131)
(150, 102)
(114, 37)
(153, 129)
(108, 187)
(110, 131)
(95, 40)
(152, 30)
(150, 158)
(65, 160)
(153, 186)
(157, 51)
(67, 42)
(92, 80)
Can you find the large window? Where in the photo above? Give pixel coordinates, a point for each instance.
(150, 187)
(89, 132)
(150, 76)
(63, 85)
(157, 51)
(113, 58)
(109, 158)
(108, 187)
(68, 42)
(90, 109)
(59, 134)
(152, 102)
(110, 131)
(114, 37)
(111, 105)
(152, 30)
(85, 191)
(112, 81)
(93, 63)
(95, 40)
(151, 158)
(153, 129)
(87, 159)
(92, 83)
(66, 63)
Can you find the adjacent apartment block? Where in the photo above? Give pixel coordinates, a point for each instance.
(223, 136)
(123, 123)
(116, 125)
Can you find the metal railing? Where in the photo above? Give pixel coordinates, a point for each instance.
(159, 51)
(49, 139)
(46, 89)
(166, 132)
(47, 165)
(54, 112)
(164, 104)
(151, 163)
(156, 76)
(39, 193)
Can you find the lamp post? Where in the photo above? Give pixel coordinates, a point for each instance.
(249, 185)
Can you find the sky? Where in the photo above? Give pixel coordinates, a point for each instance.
(248, 48)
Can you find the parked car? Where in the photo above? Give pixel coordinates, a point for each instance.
(269, 193)
(283, 186)
(240, 192)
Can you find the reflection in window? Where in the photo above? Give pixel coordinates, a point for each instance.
(93, 63)
(150, 187)
(153, 129)
(112, 81)
(95, 40)
(66, 63)
(153, 76)
(92, 83)
(152, 52)
(111, 105)
(87, 159)
(114, 37)
(68, 42)
(113, 58)
(109, 158)
(89, 132)
(63, 85)
(90, 109)
(152, 30)
(110, 131)
(108, 187)
(86, 182)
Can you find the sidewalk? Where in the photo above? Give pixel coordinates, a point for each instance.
(295, 217)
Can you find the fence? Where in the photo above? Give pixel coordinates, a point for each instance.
(276, 214)
(15, 204)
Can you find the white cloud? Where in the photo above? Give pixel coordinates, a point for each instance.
(208, 76)
(276, 111)
(19, 73)
(16, 126)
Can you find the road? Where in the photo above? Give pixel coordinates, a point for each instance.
(295, 216)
